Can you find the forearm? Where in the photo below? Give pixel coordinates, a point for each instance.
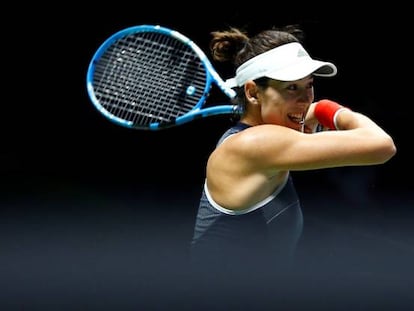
(336, 117)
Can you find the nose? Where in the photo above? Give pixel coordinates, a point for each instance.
(306, 95)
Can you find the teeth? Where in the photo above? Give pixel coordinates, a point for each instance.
(296, 118)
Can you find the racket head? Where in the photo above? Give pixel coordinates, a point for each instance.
(151, 77)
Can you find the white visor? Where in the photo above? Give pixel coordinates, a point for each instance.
(288, 62)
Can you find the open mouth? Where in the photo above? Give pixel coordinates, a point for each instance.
(298, 118)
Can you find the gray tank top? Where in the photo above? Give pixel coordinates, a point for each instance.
(270, 228)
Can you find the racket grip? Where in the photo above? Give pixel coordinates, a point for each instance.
(326, 112)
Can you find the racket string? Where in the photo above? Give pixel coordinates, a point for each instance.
(149, 77)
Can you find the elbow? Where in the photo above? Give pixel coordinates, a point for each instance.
(387, 151)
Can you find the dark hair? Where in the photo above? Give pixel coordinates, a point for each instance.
(236, 47)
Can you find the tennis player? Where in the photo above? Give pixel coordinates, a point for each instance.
(249, 216)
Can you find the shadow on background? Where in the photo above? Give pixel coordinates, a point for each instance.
(105, 245)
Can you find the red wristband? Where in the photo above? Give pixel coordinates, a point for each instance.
(325, 111)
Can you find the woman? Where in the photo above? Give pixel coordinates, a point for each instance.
(249, 217)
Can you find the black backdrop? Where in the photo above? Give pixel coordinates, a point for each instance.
(98, 216)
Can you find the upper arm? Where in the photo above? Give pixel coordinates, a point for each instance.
(274, 148)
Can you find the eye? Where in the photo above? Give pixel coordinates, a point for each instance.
(292, 87)
(295, 86)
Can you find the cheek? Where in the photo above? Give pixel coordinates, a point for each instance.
(271, 114)
(271, 107)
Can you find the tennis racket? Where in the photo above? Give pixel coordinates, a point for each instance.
(150, 77)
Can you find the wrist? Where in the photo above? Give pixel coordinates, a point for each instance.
(335, 117)
(326, 112)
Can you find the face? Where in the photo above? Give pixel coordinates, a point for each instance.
(286, 103)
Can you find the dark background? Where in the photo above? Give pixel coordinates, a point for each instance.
(96, 216)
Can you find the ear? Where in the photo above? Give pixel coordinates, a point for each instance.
(250, 91)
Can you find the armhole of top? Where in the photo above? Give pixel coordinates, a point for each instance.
(246, 210)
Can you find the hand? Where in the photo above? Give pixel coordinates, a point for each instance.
(311, 122)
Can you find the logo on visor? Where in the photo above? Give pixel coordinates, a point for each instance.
(302, 52)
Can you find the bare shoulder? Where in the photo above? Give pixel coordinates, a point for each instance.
(254, 144)
(260, 137)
